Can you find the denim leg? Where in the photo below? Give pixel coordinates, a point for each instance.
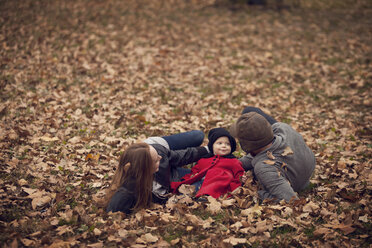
(198, 184)
(184, 140)
(270, 119)
(181, 173)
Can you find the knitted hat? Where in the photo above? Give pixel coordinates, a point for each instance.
(253, 131)
(216, 133)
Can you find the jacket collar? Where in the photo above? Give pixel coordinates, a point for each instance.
(210, 155)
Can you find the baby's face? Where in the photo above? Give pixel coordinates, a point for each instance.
(222, 146)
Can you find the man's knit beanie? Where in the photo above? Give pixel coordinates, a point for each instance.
(216, 133)
(253, 131)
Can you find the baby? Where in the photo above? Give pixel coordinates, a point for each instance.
(218, 173)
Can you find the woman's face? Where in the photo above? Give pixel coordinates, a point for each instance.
(155, 158)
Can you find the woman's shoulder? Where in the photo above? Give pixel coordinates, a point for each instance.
(160, 149)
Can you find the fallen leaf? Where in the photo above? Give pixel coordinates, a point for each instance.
(235, 241)
(284, 165)
(187, 189)
(214, 206)
(321, 231)
(270, 155)
(64, 229)
(237, 225)
(364, 218)
(60, 244)
(92, 157)
(22, 182)
(28, 242)
(270, 162)
(149, 238)
(175, 241)
(123, 233)
(228, 202)
(287, 151)
(346, 229)
(251, 212)
(74, 140)
(40, 201)
(48, 139)
(189, 228)
(262, 226)
(310, 207)
(97, 232)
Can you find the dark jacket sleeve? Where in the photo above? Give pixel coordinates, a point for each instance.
(123, 200)
(173, 159)
(183, 157)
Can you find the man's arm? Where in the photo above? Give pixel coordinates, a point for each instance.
(246, 162)
(274, 183)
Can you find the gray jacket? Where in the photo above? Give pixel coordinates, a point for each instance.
(296, 167)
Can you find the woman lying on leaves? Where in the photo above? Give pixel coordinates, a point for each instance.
(146, 170)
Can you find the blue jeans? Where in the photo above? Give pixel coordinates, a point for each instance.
(270, 119)
(183, 171)
(184, 140)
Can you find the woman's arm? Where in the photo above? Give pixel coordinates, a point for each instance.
(186, 156)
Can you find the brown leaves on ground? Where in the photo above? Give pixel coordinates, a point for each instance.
(80, 81)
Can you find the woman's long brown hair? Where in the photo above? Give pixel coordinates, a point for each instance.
(135, 162)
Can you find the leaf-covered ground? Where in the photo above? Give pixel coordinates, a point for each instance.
(80, 80)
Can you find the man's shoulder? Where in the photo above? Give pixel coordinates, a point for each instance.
(282, 128)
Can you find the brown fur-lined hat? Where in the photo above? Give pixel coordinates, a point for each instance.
(253, 131)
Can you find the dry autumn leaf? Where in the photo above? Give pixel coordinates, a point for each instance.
(235, 241)
(253, 211)
(269, 162)
(270, 155)
(346, 229)
(149, 238)
(310, 207)
(92, 157)
(213, 206)
(187, 189)
(48, 139)
(228, 202)
(321, 231)
(287, 151)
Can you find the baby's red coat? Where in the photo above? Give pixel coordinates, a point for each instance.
(221, 176)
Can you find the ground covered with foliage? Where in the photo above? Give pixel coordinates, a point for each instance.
(81, 80)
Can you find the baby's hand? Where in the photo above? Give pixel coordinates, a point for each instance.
(244, 178)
